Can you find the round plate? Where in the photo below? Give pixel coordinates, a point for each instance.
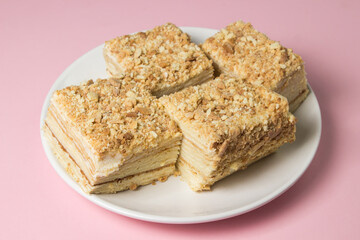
(173, 201)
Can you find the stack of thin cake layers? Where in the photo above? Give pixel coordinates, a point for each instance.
(227, 124)
(119, 133)
(111, 136)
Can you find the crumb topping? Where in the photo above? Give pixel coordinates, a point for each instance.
(226, 108)
(251, 55)
(115, 116)
(159, 58)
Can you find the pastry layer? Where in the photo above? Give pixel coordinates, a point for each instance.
(163, 59)
(120, 184)
(227, 124)
(240, 50)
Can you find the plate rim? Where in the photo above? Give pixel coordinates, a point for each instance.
(157, 218)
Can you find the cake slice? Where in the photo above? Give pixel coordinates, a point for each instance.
(227, 124)
(162, 59)
(110, 135)
(240, 50)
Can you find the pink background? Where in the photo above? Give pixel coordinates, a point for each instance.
(39, 39)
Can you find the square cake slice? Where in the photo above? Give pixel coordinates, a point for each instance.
(111, 136)
(227, 124)
(240, 50)
(162, 59)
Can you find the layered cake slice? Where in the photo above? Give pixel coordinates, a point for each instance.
(162, 59)
(240, 50)
(110, 135)
(227, 124)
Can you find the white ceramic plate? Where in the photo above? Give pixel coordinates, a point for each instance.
(173, 201)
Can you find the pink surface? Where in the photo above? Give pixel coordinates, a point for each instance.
(39, 39)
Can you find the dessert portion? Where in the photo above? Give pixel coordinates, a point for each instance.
(241, 51)
(111, 135)
(227, 124)
(120, 133)
(162, 59)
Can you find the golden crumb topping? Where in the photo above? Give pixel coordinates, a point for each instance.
(115, 116)
(159, 58)
(251, 55)
(226, 108)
